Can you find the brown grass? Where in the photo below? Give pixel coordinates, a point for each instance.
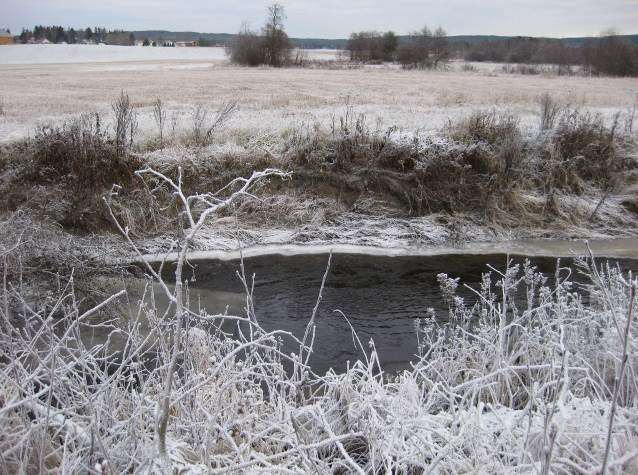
(64, 171)
(484, 167)
(278, 99)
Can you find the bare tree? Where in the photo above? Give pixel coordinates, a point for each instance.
(273, 47)
(277, 46)
(440, 49)
(415, 53)
(369, 46)
(612, 55)
(212, 203)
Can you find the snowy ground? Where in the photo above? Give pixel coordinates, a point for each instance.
(626, 248)
(272, 100)
(51, 54)
(65, 54)
(354, 233)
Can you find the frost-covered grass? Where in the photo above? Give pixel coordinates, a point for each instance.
(534, 377)
(275, 100)
(486, 173)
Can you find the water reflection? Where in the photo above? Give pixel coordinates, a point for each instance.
(381, 297)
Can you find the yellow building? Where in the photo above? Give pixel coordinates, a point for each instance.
(6, 38)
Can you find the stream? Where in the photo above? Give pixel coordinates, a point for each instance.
(381, 296)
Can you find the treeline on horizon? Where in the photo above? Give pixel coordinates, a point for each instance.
(59, 34)
(609, 54)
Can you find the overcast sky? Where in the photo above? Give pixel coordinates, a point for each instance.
(334, 18)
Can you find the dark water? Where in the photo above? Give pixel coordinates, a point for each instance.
(381, 297)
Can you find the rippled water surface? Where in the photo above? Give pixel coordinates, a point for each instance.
(380, 296)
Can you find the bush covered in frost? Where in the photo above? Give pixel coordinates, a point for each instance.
(533, 377)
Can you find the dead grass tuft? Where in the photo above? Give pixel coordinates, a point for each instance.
(587, 152)
(491, 127)
(64, 171)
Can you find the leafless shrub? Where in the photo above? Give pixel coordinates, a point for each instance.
(199, 114)
(159, 114)
(491, 384)
(549, 111)
(490, 127)
(202, 131)
(213, 202)
(629, 118)
(125, 123)
(224, 113)
(594, 148)
(246, 48)
(62, 172)
(2, 107)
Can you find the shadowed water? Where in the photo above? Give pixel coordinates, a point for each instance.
(380, 296)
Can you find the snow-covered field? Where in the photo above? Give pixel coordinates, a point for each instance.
(51, 54)
(273, 100)
(65, 54)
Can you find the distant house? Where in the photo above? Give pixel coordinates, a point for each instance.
(186, 44)
(6, 38)
(38, 41)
